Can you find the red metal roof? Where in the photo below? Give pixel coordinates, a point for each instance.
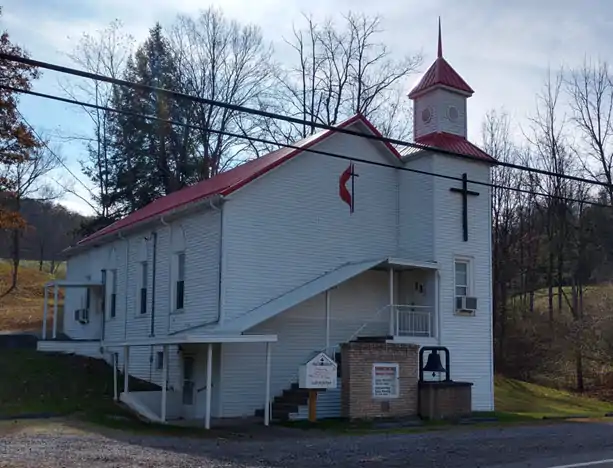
(455, 144)
(228, 181)
(440, 73)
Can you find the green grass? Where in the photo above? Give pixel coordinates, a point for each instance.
(514, 397)
(35, 382)
(516, 403)
(81, 387)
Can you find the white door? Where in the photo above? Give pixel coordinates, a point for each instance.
(189, 386)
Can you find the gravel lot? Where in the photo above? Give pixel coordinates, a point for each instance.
(57, 445)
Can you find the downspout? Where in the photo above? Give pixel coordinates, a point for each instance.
(125, 317)
(220, 264)
(220, 294)
(153, 275)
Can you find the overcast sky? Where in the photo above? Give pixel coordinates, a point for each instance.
(503, 49)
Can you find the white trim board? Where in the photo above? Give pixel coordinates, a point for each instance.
(194, 339)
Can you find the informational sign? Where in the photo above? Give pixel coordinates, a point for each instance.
(385, 380)
(319, 372)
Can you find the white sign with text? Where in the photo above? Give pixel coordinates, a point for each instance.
(385, 378)
(318, 373)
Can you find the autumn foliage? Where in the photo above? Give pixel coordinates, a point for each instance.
(16, 139)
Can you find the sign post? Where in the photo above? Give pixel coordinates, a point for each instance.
(319, 373)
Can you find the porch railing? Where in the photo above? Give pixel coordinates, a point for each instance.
(413, 320)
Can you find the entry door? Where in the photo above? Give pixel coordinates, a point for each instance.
(189, 386)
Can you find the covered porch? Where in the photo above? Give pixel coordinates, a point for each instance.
(80, 311)
(413, 298)
(194, 373)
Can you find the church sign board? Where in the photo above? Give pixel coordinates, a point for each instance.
(385, 380)
(318, 373)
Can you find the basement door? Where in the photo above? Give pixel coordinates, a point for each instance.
(194, 384)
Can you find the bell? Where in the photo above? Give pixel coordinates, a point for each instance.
(434, 364)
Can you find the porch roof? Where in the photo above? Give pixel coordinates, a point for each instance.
(193, 339)
(404, 263)
(73, 283)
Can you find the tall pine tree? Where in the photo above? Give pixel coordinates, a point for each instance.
(150, 158)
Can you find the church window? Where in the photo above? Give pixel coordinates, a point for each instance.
(462, 279)
(426, 115)
(142, 293)
(453, 113)
(178, 282)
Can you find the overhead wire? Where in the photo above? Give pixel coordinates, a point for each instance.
(299, 148)
(248, 110)
(53, 153)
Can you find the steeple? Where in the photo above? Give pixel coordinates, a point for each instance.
(441, 74)
(440, 40)
(440, 99)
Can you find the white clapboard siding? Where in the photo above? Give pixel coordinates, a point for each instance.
(468, 338)
(291, 226)
(439, 101)
(202, 234)
(301, 334)
(416, 216)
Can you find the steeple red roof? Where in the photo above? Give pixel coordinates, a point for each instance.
(441, 73)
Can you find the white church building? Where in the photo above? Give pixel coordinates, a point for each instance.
(217, 293)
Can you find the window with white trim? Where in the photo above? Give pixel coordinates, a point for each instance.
(103, 301)
(178, 282)
(113, 293)
(462, 278)
(142, 287)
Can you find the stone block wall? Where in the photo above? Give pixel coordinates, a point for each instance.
(357, 400)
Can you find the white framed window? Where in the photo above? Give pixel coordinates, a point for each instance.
(178, 282)
(462, 277)
(143, 281)
(159, 360)
(112, 300)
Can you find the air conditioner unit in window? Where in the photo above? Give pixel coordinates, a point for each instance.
(465, 305)
(81, 315)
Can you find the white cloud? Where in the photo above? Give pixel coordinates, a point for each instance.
(502, 49)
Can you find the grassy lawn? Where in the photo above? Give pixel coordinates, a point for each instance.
(22, 309)
(534, 401)
(516, 402)
(81, 388)
(37, 382)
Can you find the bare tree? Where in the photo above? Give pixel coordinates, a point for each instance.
(104, 52)
(506, 209)
(220, 59)
(550, 145)
(30, 182)
(341, 71)
(590, 90)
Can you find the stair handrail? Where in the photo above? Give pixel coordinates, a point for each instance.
(357, 332)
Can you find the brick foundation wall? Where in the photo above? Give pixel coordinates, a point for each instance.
(357, 359)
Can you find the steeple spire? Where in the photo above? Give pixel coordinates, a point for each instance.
(440, 39)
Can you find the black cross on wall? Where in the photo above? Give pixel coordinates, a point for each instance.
(465, 193)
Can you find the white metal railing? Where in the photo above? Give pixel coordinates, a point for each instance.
(413, 320)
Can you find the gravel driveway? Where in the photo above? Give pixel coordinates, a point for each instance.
(535, 446)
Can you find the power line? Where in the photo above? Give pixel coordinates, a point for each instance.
(53, 153)
(286, 145)
(276, 116)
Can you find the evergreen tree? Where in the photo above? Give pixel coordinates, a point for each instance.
(150, 158)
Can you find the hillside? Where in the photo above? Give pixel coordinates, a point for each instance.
(22, 309)
(51, 228)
